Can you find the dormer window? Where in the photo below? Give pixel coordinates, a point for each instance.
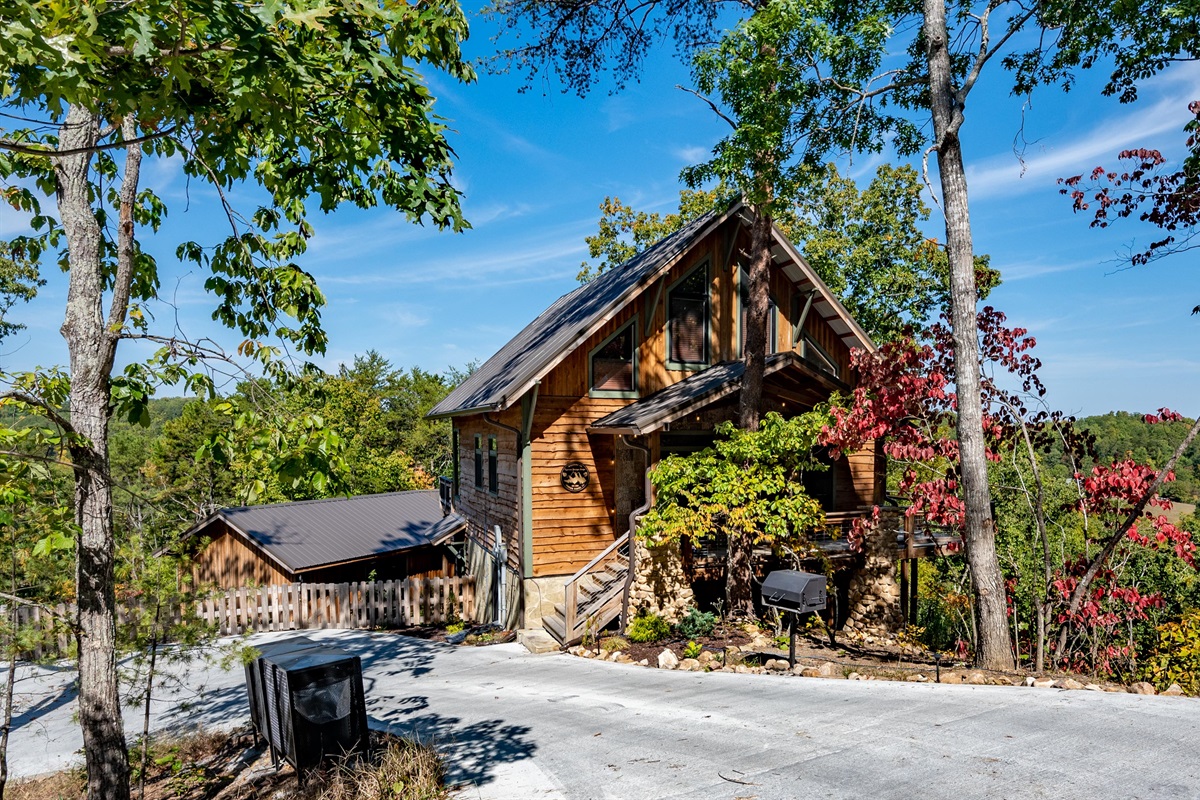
(688, 320)
(613, 364)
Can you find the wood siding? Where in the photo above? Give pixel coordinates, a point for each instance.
(568, 528)
(229, 562)
(482, 509)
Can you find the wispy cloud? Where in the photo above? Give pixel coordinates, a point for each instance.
(1007, 175)
(691, 154)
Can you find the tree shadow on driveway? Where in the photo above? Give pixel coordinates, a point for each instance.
(391, 666)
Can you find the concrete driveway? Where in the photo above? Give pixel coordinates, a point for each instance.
(519, 726)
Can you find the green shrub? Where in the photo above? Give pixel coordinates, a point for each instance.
(1176, 658)
(647, 627)
(692, 649)
(697, 623)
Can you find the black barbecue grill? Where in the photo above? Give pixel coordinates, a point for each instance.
(794, 593)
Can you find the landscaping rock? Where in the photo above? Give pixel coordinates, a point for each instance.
(1029, 679)
(616, 655)
(645, 662)
(1143, 688)
(668, 660)
(778, 665)
(1043, 683)
(690, 665)
(829, 670)
(854, 676)
(1174, 690)
(707, 657)
(741, 669)
(976, 679)
(624, 659)
(1093, 687)
(1069, 683)
(916, 678)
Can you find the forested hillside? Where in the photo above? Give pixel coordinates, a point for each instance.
(1121, 434)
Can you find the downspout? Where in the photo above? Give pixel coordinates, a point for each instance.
(500, 547)
(633, 520)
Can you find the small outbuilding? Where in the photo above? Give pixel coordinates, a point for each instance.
(379, 536)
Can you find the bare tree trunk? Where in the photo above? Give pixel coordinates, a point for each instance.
(91, 345)
(11, 680)
(739, 576)
(145, 754)
(992, 649)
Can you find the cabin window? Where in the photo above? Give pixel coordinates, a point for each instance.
(478, 461)
(455, 465)
(814, 353)
(613, 364)
(744, 314)
(493, 476)
(688, 320)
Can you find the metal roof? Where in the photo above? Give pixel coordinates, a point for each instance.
(312, 533)
(559, 329)
(695, 392)
(572, 318)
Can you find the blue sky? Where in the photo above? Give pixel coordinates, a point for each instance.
(535, 166)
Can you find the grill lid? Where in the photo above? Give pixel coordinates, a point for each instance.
(793, 590)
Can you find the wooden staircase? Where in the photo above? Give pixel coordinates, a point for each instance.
(594, 596)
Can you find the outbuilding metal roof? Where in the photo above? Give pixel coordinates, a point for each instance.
(697, 391)
(313, 533)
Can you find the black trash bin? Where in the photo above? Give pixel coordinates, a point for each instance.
(254, 691)
(315, 706)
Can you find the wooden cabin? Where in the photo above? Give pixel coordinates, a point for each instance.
(338, 540)
(555, 433)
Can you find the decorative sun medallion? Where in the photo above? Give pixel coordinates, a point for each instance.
(575, 477)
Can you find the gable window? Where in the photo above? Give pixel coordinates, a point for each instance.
(493, 476)
(813, 352)
(478, 461)
(455, 455)
(613, 364)
(744, 316)
(688, 320)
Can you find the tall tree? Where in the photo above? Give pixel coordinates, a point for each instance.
(807, 78)
(304, 98)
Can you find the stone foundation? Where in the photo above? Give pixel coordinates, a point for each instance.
(541, 594)
(874, 593)
(660, 585)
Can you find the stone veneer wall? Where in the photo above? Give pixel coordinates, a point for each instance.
(659, 584)
(874, 593)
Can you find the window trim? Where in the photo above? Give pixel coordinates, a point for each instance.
(493, 468)
(479, 461)
(688, 366)
(591, 380)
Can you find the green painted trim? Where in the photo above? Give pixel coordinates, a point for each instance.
(614, 393)
(525, 446)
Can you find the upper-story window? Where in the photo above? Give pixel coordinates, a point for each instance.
(744, 315)
(493, 472)
(613, 364)
(478, 461)
(688, 320)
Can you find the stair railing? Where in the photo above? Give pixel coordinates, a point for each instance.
(578, 608)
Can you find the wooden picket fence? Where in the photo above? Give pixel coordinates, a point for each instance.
(294, 606)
